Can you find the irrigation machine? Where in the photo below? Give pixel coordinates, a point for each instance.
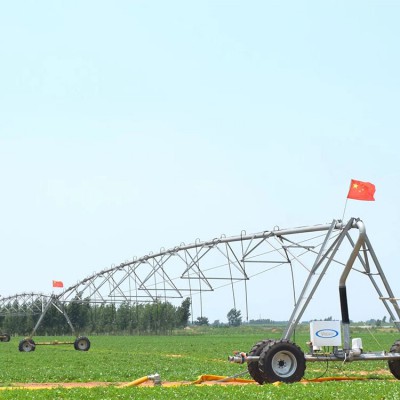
(202, 266)
(35, 303)
(283, 360)
(81, 343)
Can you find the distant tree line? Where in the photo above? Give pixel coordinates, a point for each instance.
(141, 318)
(234, 317)
(266, 321)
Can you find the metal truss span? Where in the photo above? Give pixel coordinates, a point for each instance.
(232, 264)
(186, 270)
(23, 303)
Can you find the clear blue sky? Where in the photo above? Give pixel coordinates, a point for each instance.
(133, 125)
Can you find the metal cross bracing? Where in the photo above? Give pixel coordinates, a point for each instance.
(236, 264)
(23, 303)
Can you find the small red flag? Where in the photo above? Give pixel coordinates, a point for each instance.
(361, 191)
(58, 284)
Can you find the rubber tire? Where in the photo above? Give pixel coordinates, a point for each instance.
(82, 343)
(27, 345)
(285, 355)
(5, 337)
(394, 365)
(252, 367)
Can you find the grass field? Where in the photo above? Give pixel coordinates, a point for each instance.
(184, 358)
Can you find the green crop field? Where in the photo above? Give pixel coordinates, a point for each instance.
(184, 357)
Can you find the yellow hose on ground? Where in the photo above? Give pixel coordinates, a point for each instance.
(201, 379)
(136, 382)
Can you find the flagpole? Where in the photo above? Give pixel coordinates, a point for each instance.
(347, 198)
(345, 205)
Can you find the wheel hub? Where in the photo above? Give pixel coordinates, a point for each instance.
(284, 363)
(281, 363)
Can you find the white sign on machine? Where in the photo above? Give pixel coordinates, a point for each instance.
(325, 333)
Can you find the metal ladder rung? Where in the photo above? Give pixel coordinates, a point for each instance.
(389, 298)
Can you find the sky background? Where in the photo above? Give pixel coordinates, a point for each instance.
(129, 126)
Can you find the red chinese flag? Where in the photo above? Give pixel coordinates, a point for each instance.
(361, 191)
(58, 284)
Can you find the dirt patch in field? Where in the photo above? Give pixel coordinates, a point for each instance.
(376, 372)
(69, 385)
(55, 385)
(204, 380)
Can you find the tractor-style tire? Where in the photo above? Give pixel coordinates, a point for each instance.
(5, 337)
(27, 345)
(282, 361)
(252, 367)
(394, 365)
(82, 343)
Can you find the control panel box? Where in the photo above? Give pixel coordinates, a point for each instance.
(325, 333)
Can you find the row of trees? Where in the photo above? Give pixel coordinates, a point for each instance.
(155, 318)
(139, 318)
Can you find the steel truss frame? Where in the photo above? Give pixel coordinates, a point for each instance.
(192, 269)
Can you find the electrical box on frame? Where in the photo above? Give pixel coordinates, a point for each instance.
(325, 333)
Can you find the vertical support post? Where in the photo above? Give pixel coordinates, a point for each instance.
(52, 301)
(306, 297)
(386, 285)
(44, 311)
(342, 285)
(61, 309)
